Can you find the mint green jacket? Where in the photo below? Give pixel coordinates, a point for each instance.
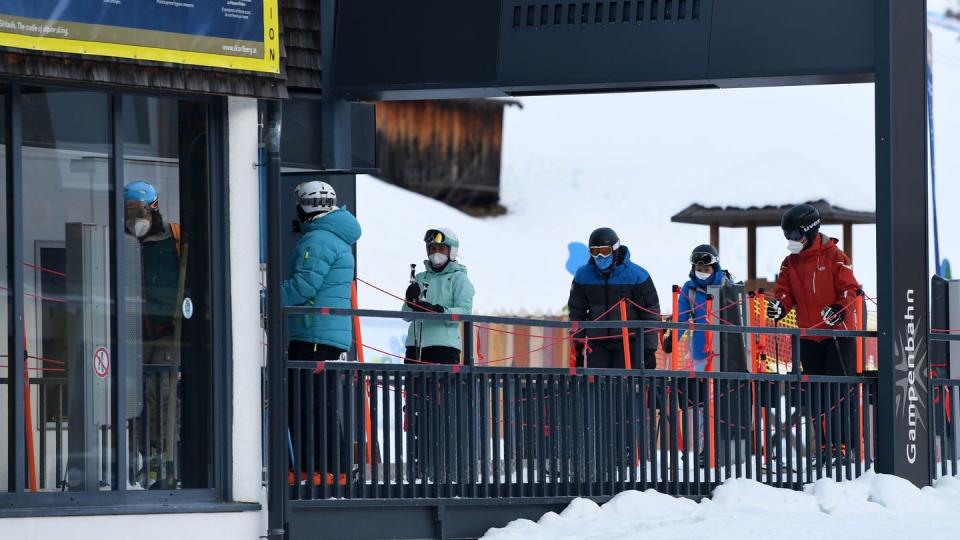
(450, 288)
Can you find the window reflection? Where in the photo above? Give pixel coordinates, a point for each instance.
(67, 301)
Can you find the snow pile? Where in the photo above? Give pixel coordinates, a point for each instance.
(875, 505)
(630, 161)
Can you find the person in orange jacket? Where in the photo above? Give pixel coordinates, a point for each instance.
(817, 280)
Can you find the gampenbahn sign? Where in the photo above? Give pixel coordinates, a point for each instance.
(231, 34)
(902, 265)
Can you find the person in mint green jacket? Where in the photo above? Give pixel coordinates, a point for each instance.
(443, 287)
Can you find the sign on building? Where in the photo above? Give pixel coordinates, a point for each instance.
(231, 34)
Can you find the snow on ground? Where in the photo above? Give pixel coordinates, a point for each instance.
(632, 160)
(873, 506)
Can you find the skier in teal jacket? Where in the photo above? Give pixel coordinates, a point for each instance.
(321, 272)
(443, 288)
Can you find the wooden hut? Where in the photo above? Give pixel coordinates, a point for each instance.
(449, 150)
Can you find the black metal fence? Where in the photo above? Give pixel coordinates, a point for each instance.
(375, 431)
(942, 411)
(50, 427)
(416, 431)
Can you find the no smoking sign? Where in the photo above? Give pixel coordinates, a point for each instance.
(101, 362)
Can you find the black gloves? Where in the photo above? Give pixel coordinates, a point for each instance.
(427, 306)
(413, 292)
(775, 310)
(668, 340)
(832, 314)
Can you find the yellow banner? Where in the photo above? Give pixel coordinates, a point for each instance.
(222, 34)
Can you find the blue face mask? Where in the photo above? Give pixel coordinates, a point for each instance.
(603, 263)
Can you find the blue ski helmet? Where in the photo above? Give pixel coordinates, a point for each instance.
(142, 192)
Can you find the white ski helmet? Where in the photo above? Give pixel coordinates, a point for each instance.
(314, 198)
(446, 237)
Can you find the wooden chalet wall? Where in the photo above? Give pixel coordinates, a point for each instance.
(449, 150)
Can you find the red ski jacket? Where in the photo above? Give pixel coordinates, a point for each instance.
(815, 278)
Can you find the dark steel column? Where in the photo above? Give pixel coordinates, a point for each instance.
(335, 122)
(901, 154)
(118, 322)
(276, 368)
(16, 450)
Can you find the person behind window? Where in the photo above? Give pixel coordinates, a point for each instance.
(320, 273)
(705, 271)
(161, 270)
(598, 286)
(443, 287)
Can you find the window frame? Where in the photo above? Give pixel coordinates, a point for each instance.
(17, 500)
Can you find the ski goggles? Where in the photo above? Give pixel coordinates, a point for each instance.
(434, 236)
(603, 251)
(704, 258)
(798, 233)
(137, 210)
(317, 202)
(793, 234)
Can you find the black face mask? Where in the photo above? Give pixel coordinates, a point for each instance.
(297, 229)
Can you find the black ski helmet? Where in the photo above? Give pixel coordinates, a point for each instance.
(801, 222)
(604, 236)
(705, 254)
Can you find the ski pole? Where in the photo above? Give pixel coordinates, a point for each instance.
(417, 325)
(776, 339)
(423, 297)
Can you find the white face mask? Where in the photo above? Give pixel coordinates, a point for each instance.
(794, 246)
(438, 259)
(703, 275)
(139, 227)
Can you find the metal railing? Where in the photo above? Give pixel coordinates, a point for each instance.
(388, 431)
(53, 420)
(943, 410)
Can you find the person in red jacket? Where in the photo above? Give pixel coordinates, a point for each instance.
(817, 280)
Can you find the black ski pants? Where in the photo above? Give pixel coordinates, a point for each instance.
(314, 352)
(836, 357)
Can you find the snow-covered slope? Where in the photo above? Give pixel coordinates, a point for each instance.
(873, 506)
(630, 161)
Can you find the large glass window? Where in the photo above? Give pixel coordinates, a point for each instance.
(165, 162)
(67, 299)
(71, 276)
(4, 298)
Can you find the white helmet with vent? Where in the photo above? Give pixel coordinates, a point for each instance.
(314, 198)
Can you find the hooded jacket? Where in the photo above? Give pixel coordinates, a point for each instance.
(594, 292)
(321, 271)
(815, 278)
(698, 288)
(450, 288)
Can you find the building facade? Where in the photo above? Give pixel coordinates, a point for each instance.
(130, 369)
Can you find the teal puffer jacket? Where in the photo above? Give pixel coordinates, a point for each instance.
(321, 272)
(450, 288)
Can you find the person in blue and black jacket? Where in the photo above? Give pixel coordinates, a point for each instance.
(705, 272)
(597, 287)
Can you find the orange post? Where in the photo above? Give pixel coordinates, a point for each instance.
(28, 417)
(626, 335)
(675, 354)
(28, 420)
(366, 404)
(752, 318)
(709, 340)
(763, 337)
